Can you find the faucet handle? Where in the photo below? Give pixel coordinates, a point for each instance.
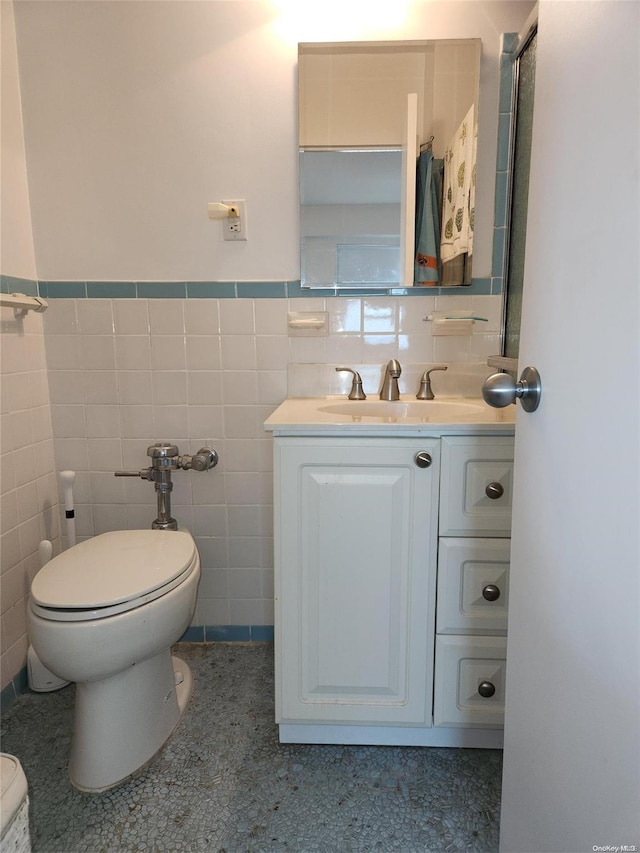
(428, 373)
(425, 392)
(357, 392)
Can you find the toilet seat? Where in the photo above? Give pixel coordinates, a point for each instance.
(112, 573)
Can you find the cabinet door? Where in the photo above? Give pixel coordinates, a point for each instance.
(355, 580)
(477, 480)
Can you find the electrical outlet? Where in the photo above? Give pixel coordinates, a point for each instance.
(234, 227)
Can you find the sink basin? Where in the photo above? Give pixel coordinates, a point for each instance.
(431, 410)
(407, 416)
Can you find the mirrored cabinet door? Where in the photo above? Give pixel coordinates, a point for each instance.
(371, 115)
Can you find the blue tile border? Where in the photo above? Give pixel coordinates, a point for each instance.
(504, 142)
(194, 634)
(161, 289)
(261, 289)
(238, 633)
(499, 245)
(211, 290)
(14, 284)
(7, 697)
(111, 290)
(262, 633)
(222, 289)
(63, 289)
(509, 42)
(16, 687)
(228, 634)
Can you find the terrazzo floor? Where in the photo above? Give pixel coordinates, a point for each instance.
(224, 783)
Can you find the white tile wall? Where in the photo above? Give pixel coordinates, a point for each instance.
(28, 494)
(124, 373)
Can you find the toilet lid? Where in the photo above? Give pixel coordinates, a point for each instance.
(113, 568)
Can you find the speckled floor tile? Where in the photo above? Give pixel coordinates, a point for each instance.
(224, 784)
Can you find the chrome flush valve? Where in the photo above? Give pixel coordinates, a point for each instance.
(165, 455)
(166, 458)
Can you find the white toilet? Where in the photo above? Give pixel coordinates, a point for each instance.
(104, 614)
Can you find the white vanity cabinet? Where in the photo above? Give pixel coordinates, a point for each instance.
(356, 538)
(391, 582)
(473, 581)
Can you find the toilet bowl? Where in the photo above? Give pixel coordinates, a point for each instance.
(104, 614)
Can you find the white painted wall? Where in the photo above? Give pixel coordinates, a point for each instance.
(17, 255)
(137, 114)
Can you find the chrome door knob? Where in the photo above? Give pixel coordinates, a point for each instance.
(500, 390)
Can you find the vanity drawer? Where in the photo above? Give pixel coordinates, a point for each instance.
(466, 668)
(476, 486)
(473, 586)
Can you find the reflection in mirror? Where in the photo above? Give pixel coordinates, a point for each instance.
(387, 144)
(350, 212)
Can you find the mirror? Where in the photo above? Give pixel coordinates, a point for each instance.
(382, 127)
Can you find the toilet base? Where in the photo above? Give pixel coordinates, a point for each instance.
(121, 723)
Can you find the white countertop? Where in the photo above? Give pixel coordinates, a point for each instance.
(407, 417)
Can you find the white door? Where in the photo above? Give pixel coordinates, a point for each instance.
(572, 752)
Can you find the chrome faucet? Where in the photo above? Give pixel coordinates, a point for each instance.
(425, 392)
(389, 389)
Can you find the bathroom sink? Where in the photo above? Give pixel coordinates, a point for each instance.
(406, 416)
(420, 409)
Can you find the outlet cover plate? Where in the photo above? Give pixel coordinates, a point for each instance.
(235, 227)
